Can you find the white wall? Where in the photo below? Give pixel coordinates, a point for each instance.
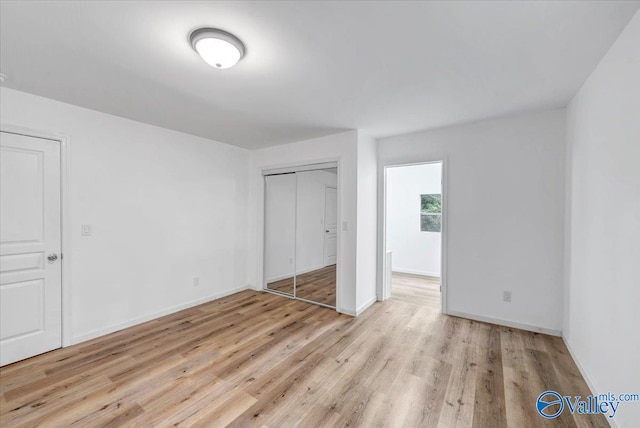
(505, 188)
(414, 251)
(367, 222)
(603, 240)
(164, 206)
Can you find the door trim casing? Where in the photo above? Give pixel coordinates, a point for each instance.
(65, 216)
(324, 256)
(382, 227)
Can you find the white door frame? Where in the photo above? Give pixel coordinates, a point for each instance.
(381, 292)
(324, 224)
(65, 216)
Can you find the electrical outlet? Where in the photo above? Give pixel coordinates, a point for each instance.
(196, 281)
(506, 296)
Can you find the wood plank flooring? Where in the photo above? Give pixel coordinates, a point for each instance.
(318, 285)
(420, 290)
(258, 359)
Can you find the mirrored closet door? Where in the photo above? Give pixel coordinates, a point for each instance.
(280, 232)
(301, 216)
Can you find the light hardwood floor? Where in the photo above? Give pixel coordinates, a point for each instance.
(318, 285)
(420, 290)
(258, 359)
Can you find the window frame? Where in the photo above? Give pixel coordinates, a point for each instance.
(431, 214)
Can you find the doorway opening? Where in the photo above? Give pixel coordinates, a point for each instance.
(413, 234)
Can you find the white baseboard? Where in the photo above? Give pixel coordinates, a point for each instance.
(104, 331)
(585, 376)
(506, 323)
(417, 272)
(366, 305)
(360, 310)
(347, 312)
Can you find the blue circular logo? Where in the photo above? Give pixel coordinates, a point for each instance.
(546, 402)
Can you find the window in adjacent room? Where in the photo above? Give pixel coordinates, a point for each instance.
(430, 212)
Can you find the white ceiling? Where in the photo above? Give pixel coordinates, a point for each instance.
(312, 68)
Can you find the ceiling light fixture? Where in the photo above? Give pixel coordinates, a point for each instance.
(218, 48)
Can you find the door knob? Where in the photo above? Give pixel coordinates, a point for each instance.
(52, 257)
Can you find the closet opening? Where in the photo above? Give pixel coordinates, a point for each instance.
(301, 232)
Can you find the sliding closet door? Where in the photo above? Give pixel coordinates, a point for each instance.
(316, 214)
(280, 232)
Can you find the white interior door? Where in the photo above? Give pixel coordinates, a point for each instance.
(330, 225)
(30, 267)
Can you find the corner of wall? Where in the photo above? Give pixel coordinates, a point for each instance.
(367, 217)
(601, 224)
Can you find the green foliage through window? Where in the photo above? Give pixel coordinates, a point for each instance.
(431, 204)
(430, 213)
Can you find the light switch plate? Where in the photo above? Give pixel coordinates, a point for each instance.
(86, 230)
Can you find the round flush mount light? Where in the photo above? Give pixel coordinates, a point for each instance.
(218, 48)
